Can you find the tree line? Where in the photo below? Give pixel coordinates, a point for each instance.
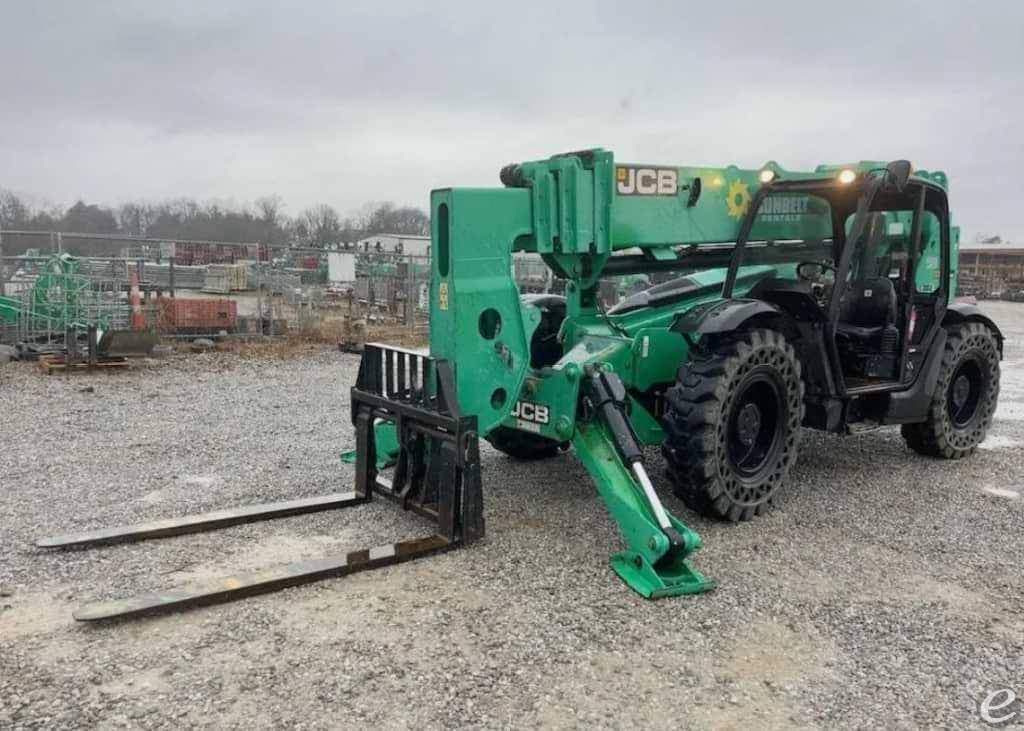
(264, 221)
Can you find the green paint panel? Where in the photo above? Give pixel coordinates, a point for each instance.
(477, 321)
(576, 211)
(386, 442)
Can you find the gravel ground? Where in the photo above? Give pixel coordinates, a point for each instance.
(883, 591)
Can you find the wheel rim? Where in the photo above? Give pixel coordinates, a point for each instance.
(753, 435)
(965, 391)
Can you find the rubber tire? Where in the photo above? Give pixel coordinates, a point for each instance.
(696, 417)
(937, 436)
(520, 445)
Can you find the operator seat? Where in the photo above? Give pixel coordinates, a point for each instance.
(867, 313)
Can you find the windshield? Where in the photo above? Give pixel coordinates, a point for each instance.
(789, 227)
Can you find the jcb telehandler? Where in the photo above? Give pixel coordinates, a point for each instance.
(822, 299)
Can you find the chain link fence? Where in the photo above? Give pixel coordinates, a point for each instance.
(239, 289)
(189, 289)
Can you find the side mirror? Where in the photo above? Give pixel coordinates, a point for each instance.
(810, 270)
(898, 173)
(695, 187)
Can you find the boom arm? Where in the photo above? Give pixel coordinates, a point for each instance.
(585, 207)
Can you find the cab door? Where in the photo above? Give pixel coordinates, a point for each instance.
(890, 291)
(928, 280)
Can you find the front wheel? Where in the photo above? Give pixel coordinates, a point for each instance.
(965, 396)
(732, 425)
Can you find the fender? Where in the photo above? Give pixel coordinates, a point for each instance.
(912, 405)
(960, 312)
(721, 316)
(550, 301)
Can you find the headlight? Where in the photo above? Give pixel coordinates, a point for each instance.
(767, 175)
(847, 176)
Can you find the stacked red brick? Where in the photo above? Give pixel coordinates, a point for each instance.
(197, 254)
(182, 315)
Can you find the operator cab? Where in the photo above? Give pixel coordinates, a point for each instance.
(859, 267)
(867, 335)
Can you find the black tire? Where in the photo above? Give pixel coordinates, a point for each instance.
(965, 395)
(726, 458)
(520, 445)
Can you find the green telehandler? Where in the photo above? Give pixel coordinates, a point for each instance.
(820, 299)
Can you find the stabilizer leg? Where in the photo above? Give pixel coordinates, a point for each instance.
(655, 563)
(652, 565)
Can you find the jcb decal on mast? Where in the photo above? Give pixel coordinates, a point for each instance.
(646, 181)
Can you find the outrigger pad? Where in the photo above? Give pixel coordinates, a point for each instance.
(674, 578)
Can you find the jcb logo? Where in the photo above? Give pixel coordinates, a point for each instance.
(537, 413)
(646, 181)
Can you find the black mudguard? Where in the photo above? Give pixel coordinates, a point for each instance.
(721, 316)
(912, 405)
(959, 312)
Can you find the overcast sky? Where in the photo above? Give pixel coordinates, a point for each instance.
(344, 102)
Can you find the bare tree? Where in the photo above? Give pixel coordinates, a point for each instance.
(13, 213)
(319, 226)
(136, 218)
(270, 208)
(89, 218)
(387, 218)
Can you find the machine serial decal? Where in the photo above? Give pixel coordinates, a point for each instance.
(646, 181)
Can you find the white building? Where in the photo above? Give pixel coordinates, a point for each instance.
(396, 243)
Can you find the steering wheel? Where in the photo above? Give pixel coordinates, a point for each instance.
(820, 268)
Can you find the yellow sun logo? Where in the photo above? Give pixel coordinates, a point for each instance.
(737, 199)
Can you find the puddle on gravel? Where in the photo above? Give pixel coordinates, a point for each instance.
(199, 480)
(753, 671)
(136, 684)
(33, 614)
(272, 552)
(1010, 411)
(998, 442)
(1001, 492)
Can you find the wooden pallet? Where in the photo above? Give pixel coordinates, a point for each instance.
(51, 363)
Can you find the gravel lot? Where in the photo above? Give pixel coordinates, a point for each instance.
(883, 591)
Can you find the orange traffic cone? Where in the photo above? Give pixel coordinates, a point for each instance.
(135, 300)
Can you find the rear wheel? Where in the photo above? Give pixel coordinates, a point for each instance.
(732, 425)
(965, 396)
(520, 445)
